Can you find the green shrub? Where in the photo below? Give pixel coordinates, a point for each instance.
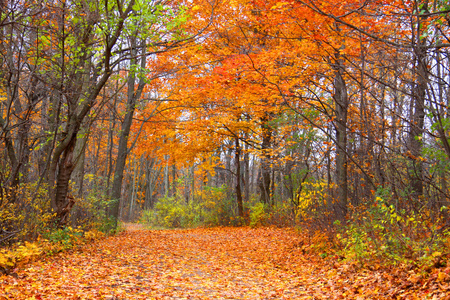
(396, 236)
(210, 207)
(62, 239)
(258, 215)
(168, 212)
(216, 208)
(90, 212)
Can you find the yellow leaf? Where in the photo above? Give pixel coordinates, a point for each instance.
(442, 276)
(436, 254)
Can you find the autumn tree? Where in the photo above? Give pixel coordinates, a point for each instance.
(21, 92)
(161, 20)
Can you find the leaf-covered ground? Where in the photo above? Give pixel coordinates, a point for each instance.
(219, 263)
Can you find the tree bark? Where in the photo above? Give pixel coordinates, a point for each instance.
(237, 158)
(134, 93)
(341, 107)
(78, 172)
(418, 110)
(265, 179)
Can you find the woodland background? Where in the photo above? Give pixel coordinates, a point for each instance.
(328, 115)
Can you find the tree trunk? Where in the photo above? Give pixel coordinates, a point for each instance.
(134, 93)
(228, 178)
(166, 179)
(265, 173)
(340, 124)
(65, 162)
(418, 110)
(109, 149)
(78, 172)
(174, 180)
(237, 158)
(247, 174)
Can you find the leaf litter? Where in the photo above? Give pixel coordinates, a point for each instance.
(216, 263)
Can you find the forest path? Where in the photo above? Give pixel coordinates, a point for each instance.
(218, 263)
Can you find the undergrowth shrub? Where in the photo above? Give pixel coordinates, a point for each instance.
(311, 206)
(90, 212)
(62, 239)
(53, 241)
(172, 212)
(216, 208)
(312, 200)
(27, 224)
(25, 213)
(281, 214)
(24, 216)
(259, 215)
(22, 253)
(381, 231)
(278, 214)
(210, 207)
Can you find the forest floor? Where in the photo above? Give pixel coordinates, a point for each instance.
(217, 263)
